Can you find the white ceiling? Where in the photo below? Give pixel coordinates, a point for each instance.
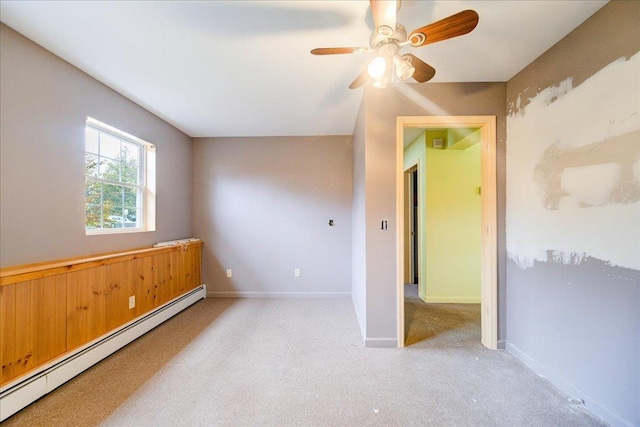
(243, 68)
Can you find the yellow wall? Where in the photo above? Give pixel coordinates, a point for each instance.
(416, 155)
(449, 224)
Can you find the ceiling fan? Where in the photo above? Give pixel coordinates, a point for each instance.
(389, 37)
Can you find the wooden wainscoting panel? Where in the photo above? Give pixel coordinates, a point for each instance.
(77, 309)
(189, 270)
(48, 312)
(7, 332)
(97, 313)
(49, 309)
(58, 345)
(162, 279)
(193, 266)
(117, 294)
(197, 265)
(24, 331)
(135, 275)
(145, 273)
(86, 305)
(173, 277)
(178, 272)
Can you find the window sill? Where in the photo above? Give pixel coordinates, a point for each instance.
(103, 231)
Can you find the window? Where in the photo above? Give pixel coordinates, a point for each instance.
(119, 181)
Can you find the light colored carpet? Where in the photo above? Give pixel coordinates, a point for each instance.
(443, 325)
(299, 363)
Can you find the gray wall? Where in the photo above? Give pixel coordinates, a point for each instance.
(43, 106)
(263, 205)
(381, 107)
(573, 293)
(358, 212)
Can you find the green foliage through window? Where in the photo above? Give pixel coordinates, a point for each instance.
(114, 180)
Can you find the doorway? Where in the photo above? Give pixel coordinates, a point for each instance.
(412, 253)
(488, 298)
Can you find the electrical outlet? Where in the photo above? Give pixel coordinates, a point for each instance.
(296, 272)
(229, 272)
(132, 302)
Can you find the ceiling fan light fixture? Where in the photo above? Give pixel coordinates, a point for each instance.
(403, 67)
(379, 83)
(377, 68)
(389, 37)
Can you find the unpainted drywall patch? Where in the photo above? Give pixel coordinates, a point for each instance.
(573, 167)
(593, 175)
(576, 182)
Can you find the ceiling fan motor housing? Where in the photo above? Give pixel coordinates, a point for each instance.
(383, 35)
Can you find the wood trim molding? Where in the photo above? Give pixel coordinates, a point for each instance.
(489, 280)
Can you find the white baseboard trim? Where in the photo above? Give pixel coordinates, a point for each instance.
(278, 295)
(561, 384)
(25, 390)
(453, 300)
(381, 342)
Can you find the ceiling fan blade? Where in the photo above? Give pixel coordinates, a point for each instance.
(453, 26)
(335, 50)
(384, 13)
(360, 80)
(424, 72)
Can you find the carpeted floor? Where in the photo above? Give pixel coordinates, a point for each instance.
(302, 363)
(444, 325)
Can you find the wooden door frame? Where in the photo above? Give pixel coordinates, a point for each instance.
(489, 274)
(408, 261)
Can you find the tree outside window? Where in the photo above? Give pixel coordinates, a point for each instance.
(114, 181)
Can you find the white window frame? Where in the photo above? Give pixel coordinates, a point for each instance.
(147, 188)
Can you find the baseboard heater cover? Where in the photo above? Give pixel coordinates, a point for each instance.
(28, 390)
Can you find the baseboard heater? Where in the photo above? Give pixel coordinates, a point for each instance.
(24, 391)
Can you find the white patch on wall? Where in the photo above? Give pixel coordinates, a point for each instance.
(577, 216)
(578, 182)
(553, 93)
